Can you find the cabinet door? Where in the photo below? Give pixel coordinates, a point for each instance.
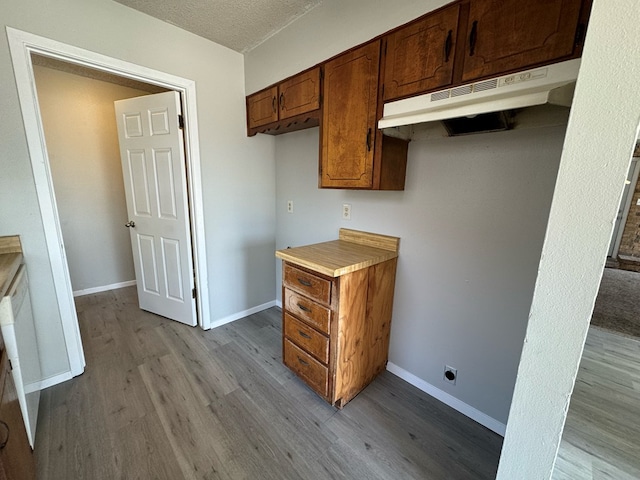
(262, 107)
(507, 35)
(420, 55)
(16, 458)
(349, 118)
(300, 94)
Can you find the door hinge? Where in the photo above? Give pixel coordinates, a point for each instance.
(180, 121)
(194, 292)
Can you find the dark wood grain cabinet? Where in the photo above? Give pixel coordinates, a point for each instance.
(508, 35)
(419, 57)
(262, 108)
(287, 106)
(460, 43)
(353, 152)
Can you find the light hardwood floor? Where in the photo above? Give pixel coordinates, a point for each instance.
(162, 400)
(601, 439)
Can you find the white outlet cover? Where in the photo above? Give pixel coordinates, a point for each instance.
(290, 206)
(346, 211)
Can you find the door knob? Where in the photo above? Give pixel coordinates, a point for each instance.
(130, 224)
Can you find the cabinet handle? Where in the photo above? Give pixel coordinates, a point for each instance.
(304, 335)
(273, 104)
(447, 46)
(369, 140)
(303, 308)
(281, 101)
(6, 438)
(306, 364)
(473, 38)
(304, 282)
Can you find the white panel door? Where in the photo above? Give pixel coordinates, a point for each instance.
(154, 170)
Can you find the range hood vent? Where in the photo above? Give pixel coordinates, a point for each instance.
(551, 84)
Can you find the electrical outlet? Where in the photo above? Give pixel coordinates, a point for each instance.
(450, 374)
(290, 206)
(346, 211)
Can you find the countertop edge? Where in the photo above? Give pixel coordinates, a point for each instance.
(9, 265)
(388, 255)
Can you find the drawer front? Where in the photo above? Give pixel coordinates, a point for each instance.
(307, 338)
(314, 314)
(317, 288)
(305, 366)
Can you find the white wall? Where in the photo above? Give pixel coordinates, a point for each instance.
(472, 219)
(82, 142)
(237, 172)
(332, 27)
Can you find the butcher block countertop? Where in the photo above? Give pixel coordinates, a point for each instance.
(353, 251)
(10, 260)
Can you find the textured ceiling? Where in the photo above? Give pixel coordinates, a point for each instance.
(238, 24)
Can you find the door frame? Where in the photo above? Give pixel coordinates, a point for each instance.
(21, 45)
(626, 207)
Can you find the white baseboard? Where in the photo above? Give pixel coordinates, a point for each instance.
(467, 410)
(47, 382)
(239, 315)
(279, 304)
(103, 288)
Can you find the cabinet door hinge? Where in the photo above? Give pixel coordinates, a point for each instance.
(194, 292)
(180, 122)
(580, 33)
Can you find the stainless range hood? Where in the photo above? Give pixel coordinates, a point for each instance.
(551, 84)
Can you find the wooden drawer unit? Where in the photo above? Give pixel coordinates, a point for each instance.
(312, 371)
(307, 338)
(335, 333)
(309, 284)
(305, 309)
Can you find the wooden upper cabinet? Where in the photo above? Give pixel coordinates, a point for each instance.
(262, 107)
(508, 35)
(299, 94)
(349, 118)
(419, 57)
(293, 100)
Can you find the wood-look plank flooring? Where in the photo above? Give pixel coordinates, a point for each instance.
(601, 439)
(166, 401)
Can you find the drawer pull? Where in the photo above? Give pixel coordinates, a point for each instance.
(306, 364)
(303, 308)
(6, 437)
(304, 282)
(304, 335)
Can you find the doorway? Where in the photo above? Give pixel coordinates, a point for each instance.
(22, 46)
(623, 211)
